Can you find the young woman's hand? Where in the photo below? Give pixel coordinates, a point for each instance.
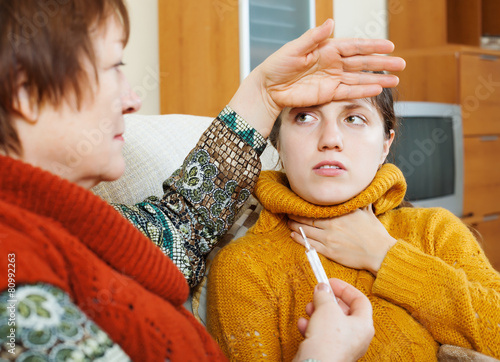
(314, 69)
(333, 334)
(357, 240)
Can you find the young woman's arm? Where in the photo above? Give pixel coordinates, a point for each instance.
(445, 282)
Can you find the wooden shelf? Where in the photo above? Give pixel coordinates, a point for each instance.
(417, 24)
(440, 42)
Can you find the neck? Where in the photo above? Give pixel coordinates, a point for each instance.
(386, 192)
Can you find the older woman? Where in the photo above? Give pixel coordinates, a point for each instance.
(79, 281)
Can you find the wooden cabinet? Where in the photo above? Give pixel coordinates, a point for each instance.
(199, 53)
(480, 93)
(440, 43)
(482, 176)
(488, 238)
(421, 24)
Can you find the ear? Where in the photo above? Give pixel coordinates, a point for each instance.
(23, 104)
(387, 145)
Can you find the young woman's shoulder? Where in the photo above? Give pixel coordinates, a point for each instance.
(435, 220)
(423, 213)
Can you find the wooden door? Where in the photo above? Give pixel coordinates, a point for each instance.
(480, 93)
(199, 53)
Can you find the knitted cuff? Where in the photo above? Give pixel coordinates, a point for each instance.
(403, 273)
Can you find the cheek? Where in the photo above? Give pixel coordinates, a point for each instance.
(290, 154)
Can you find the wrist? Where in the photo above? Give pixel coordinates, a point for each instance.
(378, 264)
(252, 102)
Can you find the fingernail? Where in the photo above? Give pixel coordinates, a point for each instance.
(322, 287)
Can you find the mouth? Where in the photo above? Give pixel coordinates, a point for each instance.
(119, 137)
(329, 165)
(329, 169)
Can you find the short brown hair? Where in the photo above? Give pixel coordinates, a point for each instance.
(45, 40)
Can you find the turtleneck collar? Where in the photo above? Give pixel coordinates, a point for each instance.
(385, 192)
(94, 222)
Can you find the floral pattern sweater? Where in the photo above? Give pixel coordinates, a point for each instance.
(199, 205)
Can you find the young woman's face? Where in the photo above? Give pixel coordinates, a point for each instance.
(85, 145)
(331, 152)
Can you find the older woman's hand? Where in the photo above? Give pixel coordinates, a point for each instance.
(357, 240)
(314, 69)
(333, 334)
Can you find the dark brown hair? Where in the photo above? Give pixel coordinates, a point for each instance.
(384, 102)
(45, 41)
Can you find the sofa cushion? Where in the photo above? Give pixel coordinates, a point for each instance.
(155, 146)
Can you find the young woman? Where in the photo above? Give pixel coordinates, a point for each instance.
(427, 278)
(78, 280)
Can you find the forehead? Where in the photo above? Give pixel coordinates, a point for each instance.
(110, 30)
(362, 103)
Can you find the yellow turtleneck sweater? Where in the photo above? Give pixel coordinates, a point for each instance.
(435, 285)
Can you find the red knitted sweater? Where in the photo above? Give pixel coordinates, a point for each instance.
(64, 235)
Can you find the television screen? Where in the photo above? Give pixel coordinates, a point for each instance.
(424, 152)
(429, 151)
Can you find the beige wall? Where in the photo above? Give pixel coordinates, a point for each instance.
(360, 18)
(141, 54)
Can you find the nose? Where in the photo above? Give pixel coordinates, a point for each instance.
(131, 102)
(330, 137)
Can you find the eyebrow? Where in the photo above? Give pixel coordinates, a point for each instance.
(352, 106)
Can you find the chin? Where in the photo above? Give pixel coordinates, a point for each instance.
(115, 174)
(328, 197)
(114, 171)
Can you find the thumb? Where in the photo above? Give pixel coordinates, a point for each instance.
(323, 295)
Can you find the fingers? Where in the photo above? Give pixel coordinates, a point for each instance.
(296, 221)
(374, 63)
(369, 208)
(345, 91)
(302, 324)
(350, 47)
(358, 303)
(365, 78)
(311, 237)
(312, 38)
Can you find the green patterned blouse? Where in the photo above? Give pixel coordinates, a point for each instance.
(202, 198)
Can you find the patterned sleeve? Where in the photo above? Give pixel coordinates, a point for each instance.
(202, 198)
(43, 324)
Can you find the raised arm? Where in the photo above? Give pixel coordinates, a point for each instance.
(203, 196)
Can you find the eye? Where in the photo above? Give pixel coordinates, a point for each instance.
(118, 65)
(357, 120)
(302, 118)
